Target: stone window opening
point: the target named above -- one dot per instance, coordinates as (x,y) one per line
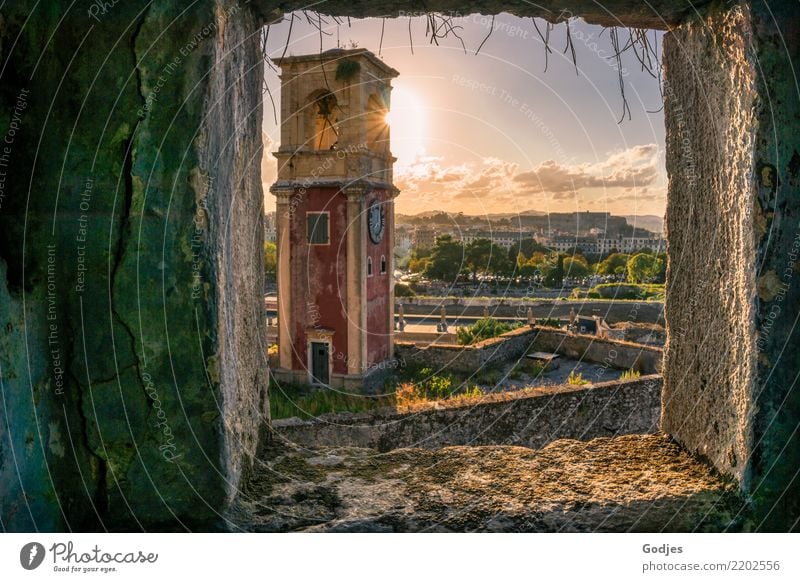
(324,121)
(383,264)
(377,127)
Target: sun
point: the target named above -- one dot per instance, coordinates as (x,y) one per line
(407,120)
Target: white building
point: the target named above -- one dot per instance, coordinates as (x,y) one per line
(502,238)
(630,245)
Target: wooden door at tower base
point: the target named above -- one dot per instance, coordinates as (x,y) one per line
(320,372)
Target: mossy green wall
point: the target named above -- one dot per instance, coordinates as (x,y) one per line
(775,467)
(124,163)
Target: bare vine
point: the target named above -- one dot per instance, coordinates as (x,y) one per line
(442,26)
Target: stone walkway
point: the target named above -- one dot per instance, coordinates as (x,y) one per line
(627,483)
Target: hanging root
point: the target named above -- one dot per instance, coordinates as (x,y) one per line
(441,26)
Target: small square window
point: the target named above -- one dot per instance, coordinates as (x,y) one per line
(317,228)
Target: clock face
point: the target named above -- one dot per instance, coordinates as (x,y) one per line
(376,221)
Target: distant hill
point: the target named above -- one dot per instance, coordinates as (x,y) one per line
(429,213)
(647,221)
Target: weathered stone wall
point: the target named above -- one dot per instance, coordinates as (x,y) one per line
(611,311)
(511,418)
(115,132)
(468,359)
(512,345)
(709,369)
(130,244)
(588,348)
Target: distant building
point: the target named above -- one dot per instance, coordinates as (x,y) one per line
(270,230)
(602,246)
(424,237)
(503,239)
(585,244)
(630,245)
(403,240)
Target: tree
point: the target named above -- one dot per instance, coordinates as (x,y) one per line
(612,264)
(576,266)
(446,259)
(527,247)
(483,256)
(662,274)
(270,259)
(555,275)
(643,268)
(418,265)
(419,260)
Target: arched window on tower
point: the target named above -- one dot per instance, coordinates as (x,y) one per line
(376,125)
(322,121)
(383,264)
(369,266)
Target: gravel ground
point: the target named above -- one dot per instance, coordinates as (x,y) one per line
(627,483)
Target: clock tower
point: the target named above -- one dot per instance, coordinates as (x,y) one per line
(335,220)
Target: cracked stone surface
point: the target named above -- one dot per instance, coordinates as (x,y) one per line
(627,483)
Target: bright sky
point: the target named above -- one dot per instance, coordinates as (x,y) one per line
(494,132)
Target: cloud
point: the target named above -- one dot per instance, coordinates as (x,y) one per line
(635,167)
(492,182)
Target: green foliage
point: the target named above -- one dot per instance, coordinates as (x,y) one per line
(627,291)
(531,367)
(418,265)
(576,266)
(488,376)
(435,386)
(471,392)
(446,259)
(630,374)
(549,322)
(403,290)
(527,248)
(270,258)
(613,264)
(287,400)
(347,69)
(482,329)
(555,275)
(643,268)
(483,256)
(576,379)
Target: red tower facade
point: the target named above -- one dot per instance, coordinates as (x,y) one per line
(335,220)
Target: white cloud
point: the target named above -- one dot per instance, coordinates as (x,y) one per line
(494,184)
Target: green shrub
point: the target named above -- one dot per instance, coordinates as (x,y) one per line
(628,291)
(483,329)
(630,375)
(531,367)
(549,322)
(430,387)
(515,374)
(488,376)
(471,392)
(577,379)
(287,400)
